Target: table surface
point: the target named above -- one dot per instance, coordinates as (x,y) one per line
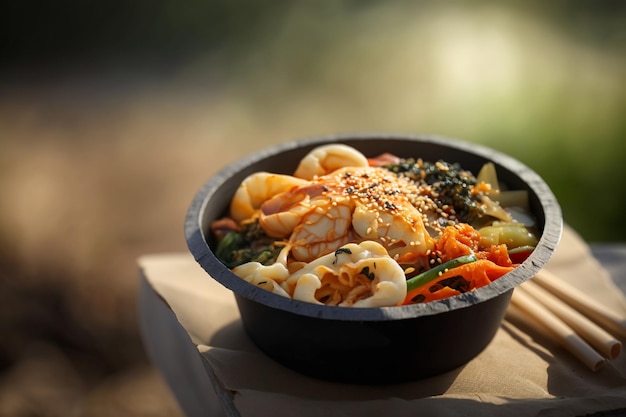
(612,256)
(197,388)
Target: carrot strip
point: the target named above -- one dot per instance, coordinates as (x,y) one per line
(498,254)
(477,274)
(458,240)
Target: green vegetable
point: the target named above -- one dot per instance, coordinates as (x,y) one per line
(433,273)
(520,249)
(249,245)
(488,174)
(519,254)
(512,234)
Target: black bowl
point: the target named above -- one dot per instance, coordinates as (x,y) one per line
(372,345)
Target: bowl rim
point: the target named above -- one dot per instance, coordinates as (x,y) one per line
(199,247)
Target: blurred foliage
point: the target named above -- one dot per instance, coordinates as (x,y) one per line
(163,31)
(33,30)
(111,113)
(540,80)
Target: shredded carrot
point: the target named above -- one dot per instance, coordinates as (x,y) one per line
(462,239)
(476,275)
(498,254)
(458,240)
(481,187)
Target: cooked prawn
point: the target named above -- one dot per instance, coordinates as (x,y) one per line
(402,232)
(323,229)
(282,213)
(327,158)
(350,204)
(256,189)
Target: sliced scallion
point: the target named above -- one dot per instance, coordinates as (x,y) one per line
(427,276)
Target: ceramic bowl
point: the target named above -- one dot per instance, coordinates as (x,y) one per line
(372,345)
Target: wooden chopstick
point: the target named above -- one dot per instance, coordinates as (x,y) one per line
(564,334)
(607,345)
(581,302)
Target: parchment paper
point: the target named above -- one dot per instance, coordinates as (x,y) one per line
(520,373)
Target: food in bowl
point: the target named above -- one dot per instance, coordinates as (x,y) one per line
(353,231)
(370,344)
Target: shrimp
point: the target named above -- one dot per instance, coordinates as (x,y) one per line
(315,224)
(350,204)
(256,189)
(282,213)
(325,159)
(323,229)
(401,231)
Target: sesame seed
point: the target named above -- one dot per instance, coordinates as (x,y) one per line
(382,191)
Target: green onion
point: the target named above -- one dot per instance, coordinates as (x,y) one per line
(519,249)
(433,273)
(519,254)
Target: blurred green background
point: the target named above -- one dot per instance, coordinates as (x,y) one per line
(112,115)
(544,83)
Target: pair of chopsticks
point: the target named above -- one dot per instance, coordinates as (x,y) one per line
(554,308)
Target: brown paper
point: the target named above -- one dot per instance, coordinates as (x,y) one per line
(520,372)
